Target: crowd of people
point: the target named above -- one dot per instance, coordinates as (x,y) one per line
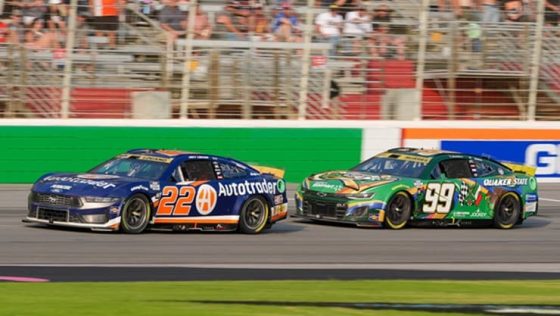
(42,24)
(350,25)
(498,11)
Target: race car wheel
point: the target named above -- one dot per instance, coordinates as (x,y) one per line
(507,211)
(253,216)
(135,214)
(398,211)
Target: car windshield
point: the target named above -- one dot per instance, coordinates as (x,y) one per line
(132,167)
(392,166)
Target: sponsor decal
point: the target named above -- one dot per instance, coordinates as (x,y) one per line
(281,186)
(90,176)
(146,158)
(247,187)
(530,207)
(530,198)
(278,199)
(461,214)
(279,209)
(60,187)
(99,184)
(206,199)
(505,182)
(532,183)
(139,187)
(155,186)
(326,185)
(478,214)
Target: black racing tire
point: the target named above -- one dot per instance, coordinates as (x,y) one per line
(253,217)
(135,214)
(398,211)
(508,211)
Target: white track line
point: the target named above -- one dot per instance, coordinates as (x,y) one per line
(549,200)
(487,267)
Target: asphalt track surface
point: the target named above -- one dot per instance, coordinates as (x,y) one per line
(292,249)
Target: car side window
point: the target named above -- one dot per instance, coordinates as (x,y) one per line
(456,168)
(485,169)
(177,175)
(196,170)
(436,172)
(231,171)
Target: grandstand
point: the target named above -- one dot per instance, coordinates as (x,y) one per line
(363,60)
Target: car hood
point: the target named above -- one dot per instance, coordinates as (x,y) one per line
(85,184)
(344,181)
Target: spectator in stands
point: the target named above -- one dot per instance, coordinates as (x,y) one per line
(31,10)
(383,43)
(57,15)
(467,10)
(357,22)
(328,26)
(552,12)
(202,27)
(105,18)
(4,35)
(17,28)
(172,19)
(347,6)
(285,25)
(38,37)
(490,11)
(233,23)
(357,26)
(83,6)
(259,25)
(514,11)
(83,31)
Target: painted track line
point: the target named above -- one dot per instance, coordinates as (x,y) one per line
(549,200)
(553,267)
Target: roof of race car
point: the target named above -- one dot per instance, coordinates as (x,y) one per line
(420,151)
(161,155)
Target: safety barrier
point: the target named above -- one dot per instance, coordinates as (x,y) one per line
(34,147)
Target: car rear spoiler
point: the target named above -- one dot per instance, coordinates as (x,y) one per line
(279,173)
(528,170)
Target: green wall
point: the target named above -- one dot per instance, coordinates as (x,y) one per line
(29,152)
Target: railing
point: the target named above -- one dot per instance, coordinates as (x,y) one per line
(406,67)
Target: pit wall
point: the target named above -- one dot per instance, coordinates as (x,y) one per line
(34,147)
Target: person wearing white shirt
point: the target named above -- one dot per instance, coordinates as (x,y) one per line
(328,26)
(357,26)
(357,22)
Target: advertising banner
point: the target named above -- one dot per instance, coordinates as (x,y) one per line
(535,147)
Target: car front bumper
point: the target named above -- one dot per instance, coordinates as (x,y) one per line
(102,218)
(110,225)
(339,210)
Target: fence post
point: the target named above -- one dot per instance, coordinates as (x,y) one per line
(421,61)
(69,51)
(186,90)
(304,79)
(535,63)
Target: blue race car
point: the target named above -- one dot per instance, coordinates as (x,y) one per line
(172,189)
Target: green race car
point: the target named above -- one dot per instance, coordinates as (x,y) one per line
(416,186)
